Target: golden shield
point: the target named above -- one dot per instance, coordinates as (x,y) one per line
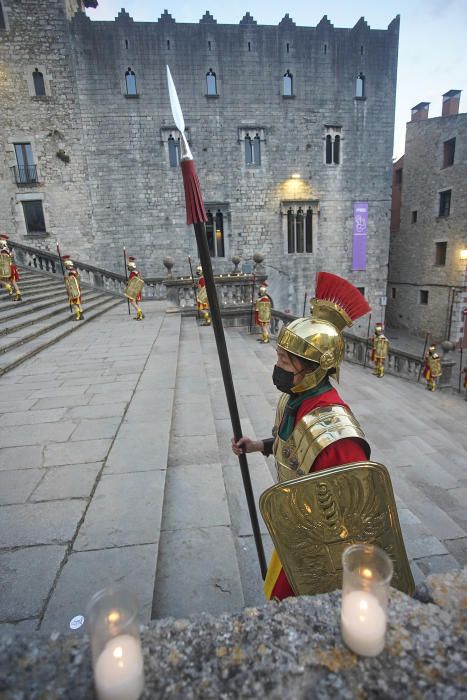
(72,287)
(134,287)
(434,363)
(314,518)
(5,266)
(264,311)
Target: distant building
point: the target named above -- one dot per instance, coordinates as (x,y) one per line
(427,275)
(291,128)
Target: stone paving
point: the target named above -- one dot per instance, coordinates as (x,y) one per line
(116,467)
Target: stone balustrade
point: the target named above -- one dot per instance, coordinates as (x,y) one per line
(287,651)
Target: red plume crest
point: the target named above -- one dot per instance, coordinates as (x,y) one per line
(339,291)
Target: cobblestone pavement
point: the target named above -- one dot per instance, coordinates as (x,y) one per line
(115,467)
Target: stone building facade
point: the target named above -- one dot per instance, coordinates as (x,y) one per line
(427,275)
(291,128)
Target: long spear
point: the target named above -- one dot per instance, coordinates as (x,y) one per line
(252,314)
(304,303)
(366,343)
(194,285)
(63,273)
(196,215)
(126,276)
(423,357)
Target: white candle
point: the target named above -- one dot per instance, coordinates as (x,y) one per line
(118,671)
(363,623)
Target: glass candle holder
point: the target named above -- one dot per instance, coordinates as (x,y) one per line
(367,574)
(117,658)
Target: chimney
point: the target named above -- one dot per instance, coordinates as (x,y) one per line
(420,111)
(451,101)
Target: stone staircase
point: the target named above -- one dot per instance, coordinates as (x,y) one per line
(43,316)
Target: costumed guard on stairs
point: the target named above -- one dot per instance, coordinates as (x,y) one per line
(9,275)
(263,313)
(202,297)
(432,370)
(134,288)
(73,288)
(314,512)
(380,350)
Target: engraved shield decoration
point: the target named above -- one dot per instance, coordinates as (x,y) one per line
(5,266)
(264,311)
(313,519)
(134,287)
(72,286)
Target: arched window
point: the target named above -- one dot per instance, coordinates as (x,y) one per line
(211,83)
(252,150)
(360,86)
(287,84)
(337,145)
(328,149)
(174,151)
(130,80)
(39,85)
(215,234)
(299,230)
(332,145)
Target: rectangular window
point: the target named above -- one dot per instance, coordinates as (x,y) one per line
(252,150)
(445,203)
(393,292)
(449,148)
(414,216)
(440,256)
(423,296)
(26,169)
(34,216)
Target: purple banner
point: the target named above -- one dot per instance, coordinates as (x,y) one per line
(360,220)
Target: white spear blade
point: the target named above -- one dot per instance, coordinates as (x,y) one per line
(175,104)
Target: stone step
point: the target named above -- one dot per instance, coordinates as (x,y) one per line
(118,538)
(30,306)
(56,307)
(23,351)
(197,567)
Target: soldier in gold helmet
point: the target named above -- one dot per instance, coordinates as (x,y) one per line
(9,276)
(73,287)
(380,350)
(432,370)
(314,429)
(263,312)
(202,297)
(134,288)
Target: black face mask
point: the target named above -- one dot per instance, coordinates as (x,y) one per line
(283,379)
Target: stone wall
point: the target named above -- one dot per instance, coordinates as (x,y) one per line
(119,185)
(413,266)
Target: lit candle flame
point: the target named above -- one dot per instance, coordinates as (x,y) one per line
(118,652)
(367,573)
(113,616)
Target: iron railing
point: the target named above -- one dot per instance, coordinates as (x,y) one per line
(25,174)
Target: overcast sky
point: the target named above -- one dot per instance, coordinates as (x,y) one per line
(432,42)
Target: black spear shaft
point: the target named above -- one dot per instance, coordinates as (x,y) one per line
(126,276)
(205,260)
(252,316)
(63,273)
(304,303)
(194,285)
(460,369)
(366,344)
(423,357)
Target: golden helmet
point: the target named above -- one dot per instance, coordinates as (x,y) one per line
(318,338)
(67,262)
(199,270)
(263,290)
(131,265)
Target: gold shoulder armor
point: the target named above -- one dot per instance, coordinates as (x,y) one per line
(322,427)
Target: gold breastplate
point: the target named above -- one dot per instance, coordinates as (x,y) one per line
(312,434)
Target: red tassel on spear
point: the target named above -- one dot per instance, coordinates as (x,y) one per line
(196,215)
